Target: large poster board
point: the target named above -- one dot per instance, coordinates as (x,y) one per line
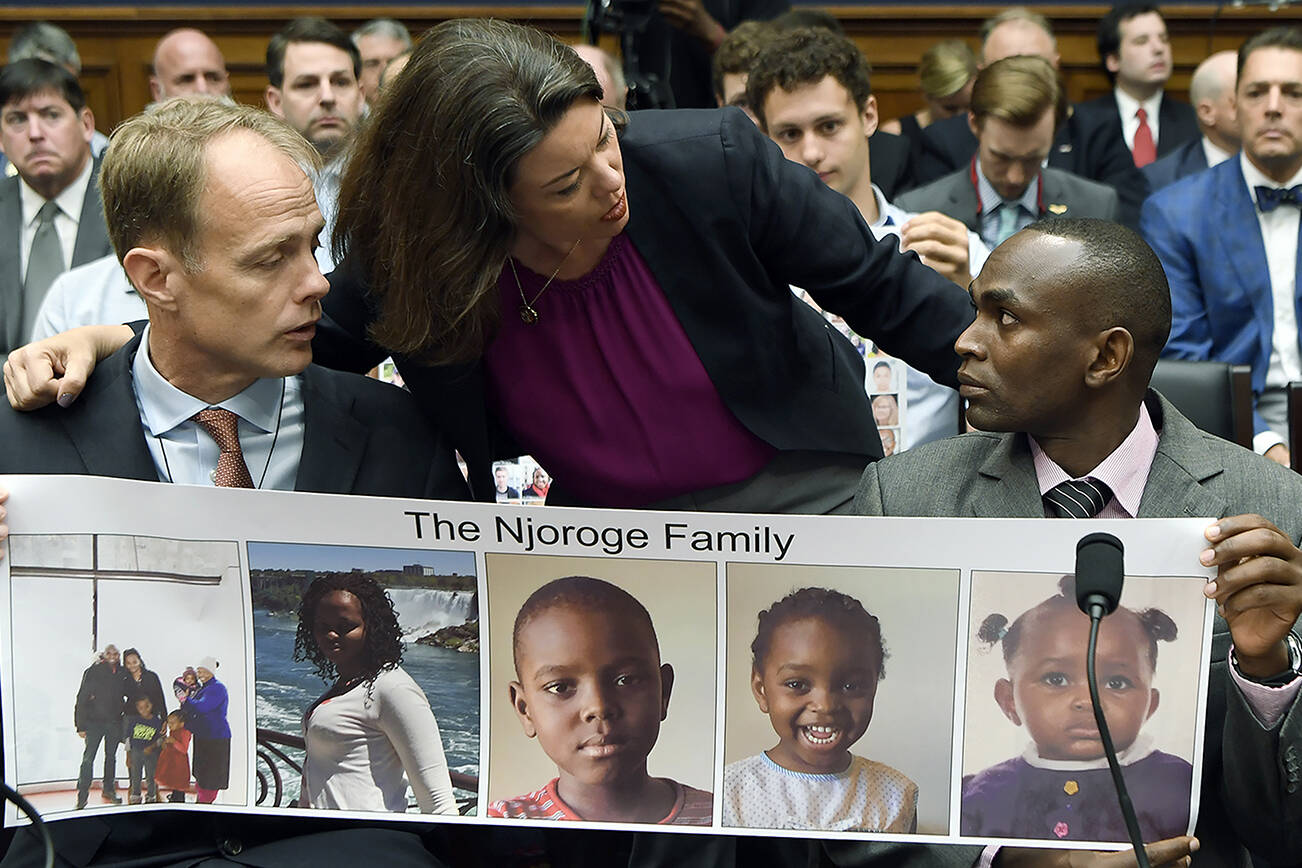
(901,679)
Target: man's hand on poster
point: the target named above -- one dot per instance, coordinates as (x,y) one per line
(1257,589)
(1171,853)
(691,17)
(941,243)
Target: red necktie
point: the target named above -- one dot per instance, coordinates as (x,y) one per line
(223,427)
(1145,150)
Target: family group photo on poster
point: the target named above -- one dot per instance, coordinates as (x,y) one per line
(321,657)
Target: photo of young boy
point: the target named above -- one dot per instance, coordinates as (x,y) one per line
(580,667)
(826,670)
(1051,780)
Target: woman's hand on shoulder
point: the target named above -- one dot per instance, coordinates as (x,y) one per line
(57,368)
(1170,853)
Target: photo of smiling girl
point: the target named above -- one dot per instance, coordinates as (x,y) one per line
(1059,785)
(826,670)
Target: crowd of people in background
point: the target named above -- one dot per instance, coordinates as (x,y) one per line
(661,283)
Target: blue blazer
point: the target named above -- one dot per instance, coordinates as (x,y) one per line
(1188,159)
(1204,229)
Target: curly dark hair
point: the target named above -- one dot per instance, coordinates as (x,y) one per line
(383,640)
(803,57)
(1155,624)
(842,611)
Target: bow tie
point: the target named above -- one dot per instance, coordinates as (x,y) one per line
(1270,198)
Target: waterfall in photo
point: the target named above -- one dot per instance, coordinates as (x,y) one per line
(423,611)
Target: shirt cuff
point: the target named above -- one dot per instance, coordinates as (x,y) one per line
(1268,704)
(1264,441)
(988,856)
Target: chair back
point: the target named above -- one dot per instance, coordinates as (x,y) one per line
(1215,396)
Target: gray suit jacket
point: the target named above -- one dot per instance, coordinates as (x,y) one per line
(1252,777)
(1065,195)
(92,243)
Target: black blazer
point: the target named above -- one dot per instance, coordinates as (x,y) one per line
(1188,159)
(1086,145)
(727,225)
(92,243)
(360,436)
(892,163)
(1177,122)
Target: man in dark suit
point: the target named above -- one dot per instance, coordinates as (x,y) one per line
(216,230)
(1228,239)
(1136,54)
(1088,147)
(1212,93)
(1071,317)
(50,215)
(1017,105)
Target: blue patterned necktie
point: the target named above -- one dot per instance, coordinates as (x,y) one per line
(1077,498)
(1270,198)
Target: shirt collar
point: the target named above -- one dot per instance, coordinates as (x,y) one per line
(1127,105)
(1125,471)
(69,201)
(887,211)
(164,407)
(1257,178)
(990,200)
(1215,156)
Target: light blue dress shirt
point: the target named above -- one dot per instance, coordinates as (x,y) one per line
(991,202)
(270,424)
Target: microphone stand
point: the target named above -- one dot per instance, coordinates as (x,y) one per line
(1099,577)
(8,794)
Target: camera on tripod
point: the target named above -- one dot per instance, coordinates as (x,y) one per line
(644,45)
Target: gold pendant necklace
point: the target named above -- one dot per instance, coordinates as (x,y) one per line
(528,315)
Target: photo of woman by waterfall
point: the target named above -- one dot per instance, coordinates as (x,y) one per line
(367,668)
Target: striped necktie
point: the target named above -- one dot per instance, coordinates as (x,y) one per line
(1076,498)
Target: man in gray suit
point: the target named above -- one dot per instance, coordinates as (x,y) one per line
(50,216)
(1017,107)
(1070,318)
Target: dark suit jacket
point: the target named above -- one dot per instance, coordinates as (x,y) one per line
(360,436)
(1251,792)
(892,164)
(1177,122)
(727,225)
(92,243)
(1188,159)
(1204,229)
(955,196)
(1089,147)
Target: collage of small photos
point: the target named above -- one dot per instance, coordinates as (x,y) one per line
(511,686)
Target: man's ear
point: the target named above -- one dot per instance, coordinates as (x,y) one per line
(1114,349)
(757,689)
(273,96)
(521,708)
(87,118)
(1113,63)
(155,89)
(973,125)
(666,688)
(1004,698)
(870,116)
(153,272)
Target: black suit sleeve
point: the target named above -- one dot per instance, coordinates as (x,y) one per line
(815,238)
(341,340)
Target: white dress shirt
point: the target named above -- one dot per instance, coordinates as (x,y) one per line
(1215,156)
(1129,107)
(1279,230)
(270,427)
(97,293)
(65,222)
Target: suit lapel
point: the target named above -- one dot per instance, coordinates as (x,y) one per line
(1194,159)
(1008,487)
(11,276)
(104,425)
(963,202)
(334,441)
(1240,244)
(1182,464)
(92,235)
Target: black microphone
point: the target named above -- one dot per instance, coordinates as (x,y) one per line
(1099,576)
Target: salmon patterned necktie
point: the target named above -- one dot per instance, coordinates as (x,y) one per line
(223,427)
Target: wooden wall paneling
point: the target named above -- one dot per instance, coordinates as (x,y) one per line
(117,41)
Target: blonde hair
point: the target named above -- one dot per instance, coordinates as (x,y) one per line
(1018,90)
(155,169)
(945,67)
